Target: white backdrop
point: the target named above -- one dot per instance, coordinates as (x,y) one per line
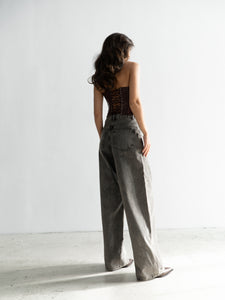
(49,144)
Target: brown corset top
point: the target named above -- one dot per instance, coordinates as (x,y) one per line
(118,101)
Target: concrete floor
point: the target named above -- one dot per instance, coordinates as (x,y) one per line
(70,266)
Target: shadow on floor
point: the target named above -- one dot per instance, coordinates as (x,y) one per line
(62,278)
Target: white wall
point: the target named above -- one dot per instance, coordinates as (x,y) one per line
(49,144)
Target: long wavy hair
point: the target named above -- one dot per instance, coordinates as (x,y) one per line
(110,61)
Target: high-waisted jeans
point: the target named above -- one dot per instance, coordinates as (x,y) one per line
(125,185)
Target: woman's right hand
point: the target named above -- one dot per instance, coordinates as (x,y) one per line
(146,147)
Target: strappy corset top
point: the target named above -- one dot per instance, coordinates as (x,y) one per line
(118,101)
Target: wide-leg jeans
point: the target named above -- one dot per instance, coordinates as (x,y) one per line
(126,185)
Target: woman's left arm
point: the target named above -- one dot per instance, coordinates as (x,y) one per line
(98,103)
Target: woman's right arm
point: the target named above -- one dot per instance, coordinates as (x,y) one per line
(135,104)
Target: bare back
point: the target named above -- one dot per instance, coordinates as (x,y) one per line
(123,76)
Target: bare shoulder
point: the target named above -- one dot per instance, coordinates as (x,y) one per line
(133,65)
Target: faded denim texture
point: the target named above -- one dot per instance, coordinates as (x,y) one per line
(125,185)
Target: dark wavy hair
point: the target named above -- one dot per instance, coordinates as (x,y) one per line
(110,61)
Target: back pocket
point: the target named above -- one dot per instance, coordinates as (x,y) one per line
(127,139)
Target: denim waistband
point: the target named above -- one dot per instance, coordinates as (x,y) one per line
(119,116)
(118,121)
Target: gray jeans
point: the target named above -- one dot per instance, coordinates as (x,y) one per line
(125,185)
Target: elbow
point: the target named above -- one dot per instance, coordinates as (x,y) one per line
(135,102)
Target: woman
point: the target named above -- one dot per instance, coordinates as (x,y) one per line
(124,172)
